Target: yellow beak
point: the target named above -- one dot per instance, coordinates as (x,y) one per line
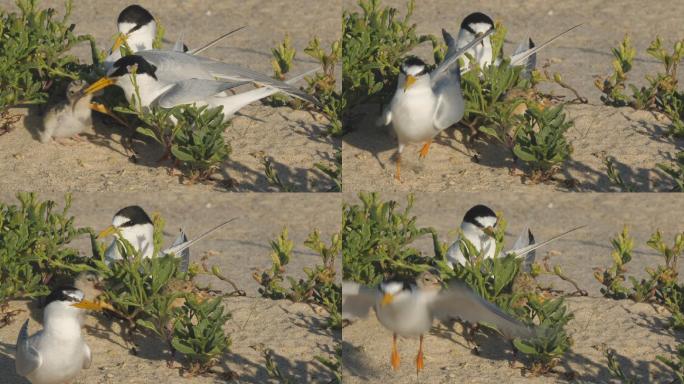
(410,80)
(106,232)
(387,299)
(119,41)
(100,84)
(89,305)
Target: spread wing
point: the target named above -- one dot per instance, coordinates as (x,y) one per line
(453,54)
(357,300)
(27,358)
(185,253)
(459,301)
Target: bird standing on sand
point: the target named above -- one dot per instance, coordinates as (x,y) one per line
(57,353)
(408,307)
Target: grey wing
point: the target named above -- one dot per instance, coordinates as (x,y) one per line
(233,72)
(357,300)
(533,246)
(87,357)
(459,301)
(450,104)
(453,55)
(178,249)
(178,46)
(185,253)
(525,239)
(192,90)
(27,358)
(521,57)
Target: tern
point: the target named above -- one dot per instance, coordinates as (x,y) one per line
(408,307)
(134,225)
(58,352)
(69,117)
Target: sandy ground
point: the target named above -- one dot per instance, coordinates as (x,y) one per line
(634,138)
(293,331)
(295,140)
(637,331)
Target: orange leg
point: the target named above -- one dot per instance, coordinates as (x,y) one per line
(395,353)
(397,175)
(419,358)
(426,148)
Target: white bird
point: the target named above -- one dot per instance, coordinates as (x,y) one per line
(425,103)
(70,116)
(169,78)
(474,25)
(58,352)
(134,225)
(408,308)
(478,227)
(478,23)
(138,29)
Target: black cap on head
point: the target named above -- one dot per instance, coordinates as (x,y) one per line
(478,211)
(476,18)
(413,61)
(64,293)
(125,65)
(135,216)
(135,14)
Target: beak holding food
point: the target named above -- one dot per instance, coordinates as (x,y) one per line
(106,232)
(120,40)
(489,231)
(89,305)
(100,84)
(410,80)
(387,299)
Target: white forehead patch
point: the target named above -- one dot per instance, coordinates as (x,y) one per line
(414,70)
(486,221)
(480,27)
(392,287)
(119,221)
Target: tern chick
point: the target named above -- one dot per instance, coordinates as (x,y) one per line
(68,117)
(58,352)
(407,307)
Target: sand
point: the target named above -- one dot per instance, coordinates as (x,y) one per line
(293,331)
(635,138)
(638,332)
(296,140)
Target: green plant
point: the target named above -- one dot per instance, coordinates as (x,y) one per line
(273,177)
(613,278)
(615,177)
(540,141)
(334,364)
(661,93)
(616,369)
(333,171)
(318,287)
(34,247)
(552,341)
(677,366)
(199,144)
(198,333)
(376,240)
(675,171)
(33,53)
(283,55)
(374,44)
